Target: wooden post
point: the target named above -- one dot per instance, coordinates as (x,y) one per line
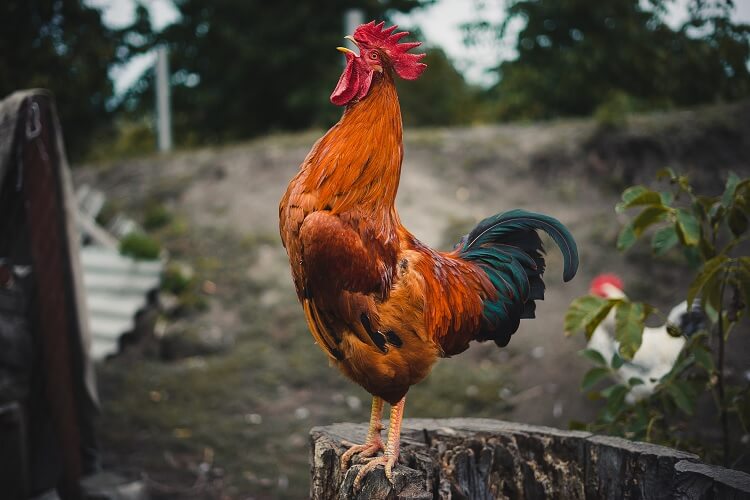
(487,459)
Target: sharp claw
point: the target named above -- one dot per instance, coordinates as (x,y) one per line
(364,450)
(388,472)
(387,462)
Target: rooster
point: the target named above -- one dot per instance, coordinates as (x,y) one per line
(380,304)
(660,346)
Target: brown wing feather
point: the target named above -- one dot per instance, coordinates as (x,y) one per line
(336,258)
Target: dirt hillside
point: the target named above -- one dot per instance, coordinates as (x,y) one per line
(232,422)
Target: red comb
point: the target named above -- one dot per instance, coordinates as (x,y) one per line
(605,279)
(406,65)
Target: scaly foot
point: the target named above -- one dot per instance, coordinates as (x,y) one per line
(388,461)
(390,457)
(369,449)
(373,443)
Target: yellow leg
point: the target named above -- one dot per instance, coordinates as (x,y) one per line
(389,459)
(373,444)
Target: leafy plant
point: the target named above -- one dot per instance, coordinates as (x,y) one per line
(140,246)
(708,231)
(156,217)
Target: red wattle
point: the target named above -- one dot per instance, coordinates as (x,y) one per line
(347,86)
(354,83)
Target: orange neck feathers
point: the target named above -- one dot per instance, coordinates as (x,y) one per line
(357,164)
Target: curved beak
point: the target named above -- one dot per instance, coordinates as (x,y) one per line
(351,39)
(346,50)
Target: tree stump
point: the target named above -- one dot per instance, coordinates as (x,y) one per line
(486,459)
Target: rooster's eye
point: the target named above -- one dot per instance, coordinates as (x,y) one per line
(373,55)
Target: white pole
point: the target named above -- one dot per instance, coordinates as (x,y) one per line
(163,109)
(352,19)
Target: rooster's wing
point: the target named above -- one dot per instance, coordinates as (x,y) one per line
(341,267)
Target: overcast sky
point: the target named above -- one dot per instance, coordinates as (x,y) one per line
(440,23)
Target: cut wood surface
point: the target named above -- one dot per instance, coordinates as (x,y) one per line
(486,459)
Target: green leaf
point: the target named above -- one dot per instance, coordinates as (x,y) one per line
(737,221)
(706,249)
(682,395)
(633,381)
(594,395)
(616,399)
(703,358)
(633,192)
(666,198)
(689,228)
(742,196)
(649,216)
(684,182)
(629,322)
(711,295)
(707,273)
(626,239)
(577,425)
(664,239)
(617,361)
(706,203)
(693,257)
(638,195)
(607,392)
(743,279)
(683,364)
(585,313)
(716,212)
(593,376)
(595,356)
(699,210)
(729,189)
(666,173)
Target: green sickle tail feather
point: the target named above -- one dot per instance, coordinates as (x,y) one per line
(508,249)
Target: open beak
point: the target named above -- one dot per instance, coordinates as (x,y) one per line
(346,50)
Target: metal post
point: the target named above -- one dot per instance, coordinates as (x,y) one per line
(352,19)
(163,109)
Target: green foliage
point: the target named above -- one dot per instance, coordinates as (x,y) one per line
(578,57)
(64,46)
(180,280)
(176,279)
(440,96)
(140,246)
(708,230)
(586,312)
(245,68)
(129,138)
(156,217)
(614,110)
(629,322)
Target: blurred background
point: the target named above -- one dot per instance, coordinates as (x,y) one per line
(555,106)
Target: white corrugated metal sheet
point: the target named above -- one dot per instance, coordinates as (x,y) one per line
(116,288)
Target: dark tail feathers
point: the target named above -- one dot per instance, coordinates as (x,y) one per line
(507,247)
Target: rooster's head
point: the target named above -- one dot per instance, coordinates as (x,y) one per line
(379,51)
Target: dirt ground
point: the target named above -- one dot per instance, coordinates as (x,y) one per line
(234,424)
